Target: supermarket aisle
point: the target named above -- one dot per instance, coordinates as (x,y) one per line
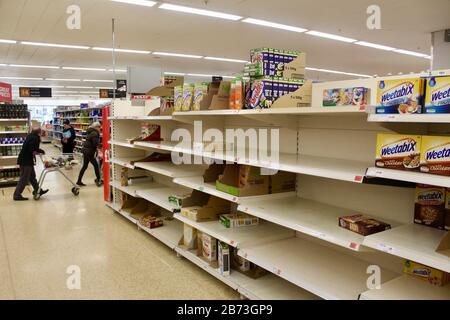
(40,240)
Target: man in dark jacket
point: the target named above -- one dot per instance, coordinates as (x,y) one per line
(89,153)
(27,161)
(68,138)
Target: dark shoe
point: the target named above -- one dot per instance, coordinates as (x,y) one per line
(99,183)
(81,184)
(20,198)
(41,193)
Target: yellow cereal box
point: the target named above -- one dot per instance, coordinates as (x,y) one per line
(396,151)
(435,155)
(200,90)
(178,98)
(437,97)
(188,97)
(400,96)
(431,275)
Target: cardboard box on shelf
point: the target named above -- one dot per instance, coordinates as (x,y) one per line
(396,151)
(437,95)
(282,181)
(200,91)
(244,266)
(269,62)
(425,273)
(203,207)
(400,96)
(235,220)
(429,207)
(221,100)
(224,258)
(346,97)
(435,155)
(177,199)
(167,88)
(151,221)
(362,224)
(189,240)
(124,177)
(209,247)
(243,181)
(178,98)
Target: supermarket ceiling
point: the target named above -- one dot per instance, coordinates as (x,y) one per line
(405,24)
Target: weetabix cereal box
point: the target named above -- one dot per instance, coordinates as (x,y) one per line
(437,95)
(396,151)
(429,206)
(435,155)
(402,96)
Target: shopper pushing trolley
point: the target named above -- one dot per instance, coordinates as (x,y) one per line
(89,151)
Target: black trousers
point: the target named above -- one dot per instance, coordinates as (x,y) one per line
(89,158)
(27,175)
(67,148)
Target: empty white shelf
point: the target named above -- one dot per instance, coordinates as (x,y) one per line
(320,270)
(196,183)
(139,184)
(407,287)
(142,118)
(169,234)
(160,196)
(170,169)
(409,176)
(411,118)
(126,215)
(414,242)
(310,217)
(238,237)
(124,162)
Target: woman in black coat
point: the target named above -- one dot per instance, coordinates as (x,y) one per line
(89,151)
(68,138)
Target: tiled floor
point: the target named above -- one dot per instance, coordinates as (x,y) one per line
(40,240)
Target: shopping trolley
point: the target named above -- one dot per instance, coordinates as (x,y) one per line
(59,164)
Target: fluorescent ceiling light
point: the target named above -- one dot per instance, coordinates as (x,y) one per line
(175,73)
(374,45)
(118,70)
(330,36)
(33,66)
(59,92)
(145,3)
(7,41)
(89,92)
(177,55)
(201,12)
(339,72)
(274,25)
(226,59)
(412,53)
(92,80)
(20,78)
(78,87)
(84,69)
(109,88)
(3,65)
(34,86)
(42,44)
(53,79)
(121,50)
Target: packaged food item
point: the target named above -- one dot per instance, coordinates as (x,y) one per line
(425,273)
(232,95)
(345,97)
(269,62)
(189,236)
(235,220)
(124,177)
(178,98)
(260,96)
(188,96)
(362,224)
(238,94)
(400,96)
(435,155)
(224,258)
(246,267)
(151,222)
(395,151)
(177,199)
(200,90)
(429,207)
(209,247)
(447,210)
(437,95)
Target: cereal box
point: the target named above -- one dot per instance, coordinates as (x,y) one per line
(188,96)
(224,258)
(395,151)
(362,224)
(200,90)
(400,96)
(345,97)
(437,96)
(429,207)
(235,220)
(209,248)
(435,155)
(447,209)
(178,97)
(260,95)
(425,273)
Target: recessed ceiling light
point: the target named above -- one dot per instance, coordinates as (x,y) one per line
(54,79)
(145,3)
(374,45)
(83,68)
(202,12)
(177,55)
(42,44)
(412,53)
(7,41)
(330,36)
(226,59)
(33,66)
(118,70)
(274,25)
(121,50)
(92,80)
(78,87)
(20,78)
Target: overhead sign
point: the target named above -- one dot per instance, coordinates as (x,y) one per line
(35,92)
(121,89)
(5,92)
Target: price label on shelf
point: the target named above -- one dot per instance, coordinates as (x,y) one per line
(276,271)
(385,248)
(201,189)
